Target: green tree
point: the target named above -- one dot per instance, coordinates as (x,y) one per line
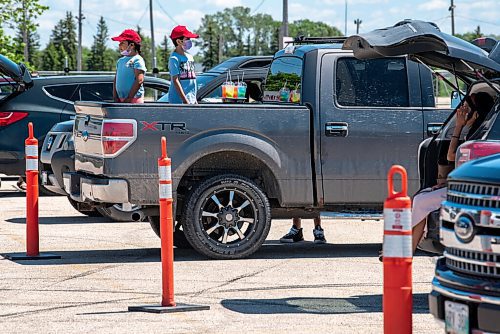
(63,38)
(99,58)
(310,28)
(145,49)
(163,54)
(33,46)
(21,16)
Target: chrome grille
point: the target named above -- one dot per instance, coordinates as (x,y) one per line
(481,195)
(474,263)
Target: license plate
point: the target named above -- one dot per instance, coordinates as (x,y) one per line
(456,318)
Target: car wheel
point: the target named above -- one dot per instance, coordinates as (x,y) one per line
(91,213)
(119,212)
(180,240)
(226,217)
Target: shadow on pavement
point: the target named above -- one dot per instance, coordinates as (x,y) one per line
(63,220)
(273,249)
(268,251)
(313,305)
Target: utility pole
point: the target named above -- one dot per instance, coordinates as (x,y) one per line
(153,48)
(284,24)
(79,51)
(452,10)
(345,19)
(24,28)
(357,22)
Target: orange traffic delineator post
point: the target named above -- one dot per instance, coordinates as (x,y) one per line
(32,235)
(397,257)
(168,304)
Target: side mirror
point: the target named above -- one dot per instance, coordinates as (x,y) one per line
(455,99)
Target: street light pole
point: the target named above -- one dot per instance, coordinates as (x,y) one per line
(357,22)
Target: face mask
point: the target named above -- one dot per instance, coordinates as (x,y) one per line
(187,45)
(126,52)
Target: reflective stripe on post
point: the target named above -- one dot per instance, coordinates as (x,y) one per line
(397,257)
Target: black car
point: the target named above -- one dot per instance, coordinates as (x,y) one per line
(45,101)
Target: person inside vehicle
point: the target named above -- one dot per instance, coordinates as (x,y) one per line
(469,116)
(130,68)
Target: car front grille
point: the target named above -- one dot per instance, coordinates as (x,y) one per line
(473,194)
(473,263)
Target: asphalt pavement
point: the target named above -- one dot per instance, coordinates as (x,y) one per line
(107,267)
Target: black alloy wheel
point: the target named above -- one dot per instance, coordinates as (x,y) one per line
(226,217)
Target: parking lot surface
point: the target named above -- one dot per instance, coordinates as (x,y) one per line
(108,266)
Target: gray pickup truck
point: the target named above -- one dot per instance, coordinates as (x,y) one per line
(323,138)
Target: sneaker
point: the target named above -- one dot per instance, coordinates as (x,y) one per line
(319,235)
(294,235)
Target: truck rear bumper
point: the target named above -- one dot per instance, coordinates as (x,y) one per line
(484,310)
(82,188)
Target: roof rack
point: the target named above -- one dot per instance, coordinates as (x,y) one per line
(318,40)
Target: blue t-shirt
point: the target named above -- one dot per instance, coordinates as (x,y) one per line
(183,67)
(125,75)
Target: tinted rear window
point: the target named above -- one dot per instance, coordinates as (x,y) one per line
(64,92)
(95,92)
(6,89)
(372,83)
(283,82)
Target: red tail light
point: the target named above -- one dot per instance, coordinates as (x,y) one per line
(10,117)
(476,149)
(117,135)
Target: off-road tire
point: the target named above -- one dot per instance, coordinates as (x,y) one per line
(237,238)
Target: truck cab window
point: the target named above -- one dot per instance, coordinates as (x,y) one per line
(372,83)
(283,82)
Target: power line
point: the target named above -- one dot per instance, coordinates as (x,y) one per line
(258,6)
(166,13)
(480,21)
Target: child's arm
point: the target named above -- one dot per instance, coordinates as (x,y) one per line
(139,79)
(178,87)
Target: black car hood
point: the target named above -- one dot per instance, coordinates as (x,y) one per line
(483,170)
(424,40)
(18,73)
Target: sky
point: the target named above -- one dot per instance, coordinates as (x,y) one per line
(122,14)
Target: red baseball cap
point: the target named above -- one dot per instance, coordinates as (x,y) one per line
(128,35)
(182,31)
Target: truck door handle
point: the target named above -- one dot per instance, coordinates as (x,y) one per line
(433,128)
(336,129)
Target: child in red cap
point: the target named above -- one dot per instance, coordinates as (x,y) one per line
(181,67)
(130,68)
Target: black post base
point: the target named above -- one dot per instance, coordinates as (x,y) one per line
(24,257)
(168,309)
